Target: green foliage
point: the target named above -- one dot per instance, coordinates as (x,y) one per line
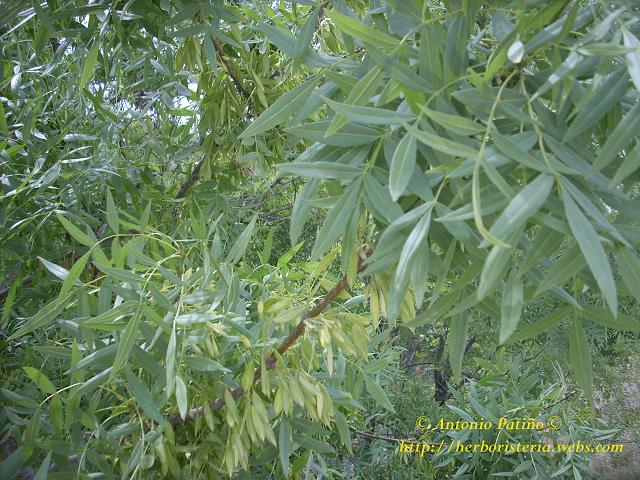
(445,165)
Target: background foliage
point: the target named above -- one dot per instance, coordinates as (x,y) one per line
(235,234)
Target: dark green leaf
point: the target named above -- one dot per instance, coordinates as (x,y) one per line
(580,356)
(592,250)
(511,306)
(457,342)
(402,165)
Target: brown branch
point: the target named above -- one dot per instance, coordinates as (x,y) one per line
(195,175)
(417,364)
(380,437)
(230,70)
(286,344)
(193,178)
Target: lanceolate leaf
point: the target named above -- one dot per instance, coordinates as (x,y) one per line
(592,249)
(569,64)
(521,207)
(369,115)
(564,267)
(378,200)
(457,342)
(301,208)
(632,57)
(603,99)
(630,165)
(415,241)
(242,242)
(606,319)
(284,444)
(305,36)
(60,272)
(495,265)
(511,307)
(454,123)
(126,343)
(74,275)
(629,267)
(356,29)
(112,214)
(337,219)
(580,356)
(142,395)
(350,135)
(359,95)
(540,326)
(44,316)
(181,396)
(89,65)
(402,165)
(440,143)
(513,150)
(321,170)
(627,130)
(281,109)
(75,232)
(378,394)
(41,380)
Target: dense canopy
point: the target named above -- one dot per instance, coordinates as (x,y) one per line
(224,225)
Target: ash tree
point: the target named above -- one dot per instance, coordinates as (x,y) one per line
(436,163)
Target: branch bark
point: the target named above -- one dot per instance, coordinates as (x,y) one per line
(285,345)
(193,178)
(230,70)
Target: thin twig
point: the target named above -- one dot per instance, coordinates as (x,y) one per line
(380,437)
(423,363)
(533,357)
(193,178)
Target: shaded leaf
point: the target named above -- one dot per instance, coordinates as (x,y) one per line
(378,394)
(627,130)
(143,397)
(457,342)
(580,357)
(511,307)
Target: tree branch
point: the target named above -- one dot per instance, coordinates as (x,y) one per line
(380,437)
(193,178)
(230,70)
(287,343)
(195,175)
